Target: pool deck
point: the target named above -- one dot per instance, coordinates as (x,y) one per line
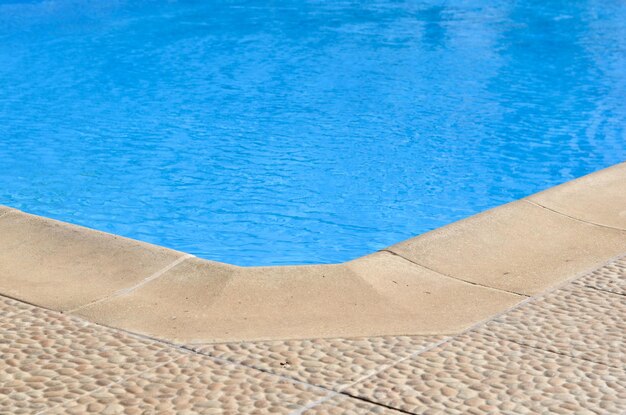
(519,309)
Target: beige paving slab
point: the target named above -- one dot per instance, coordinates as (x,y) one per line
(518,247)
(478,374)
(610,278)
(196,385)
(4,210)
(331,363)
(345,405)
(599,197)
(67,346)
(32,394)
(54,363)
(47,359)
(61,266)
(200,301)
(575,320)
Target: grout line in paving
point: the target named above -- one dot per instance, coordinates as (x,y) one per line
(571,217)
(474,326)
(29,304)
(360,398)
(450,276)
(603,290)
(410,356)
(180,348)
(571,356)
(128,290)
(373,372)
(378,336)
(187,350)
(332,393)
(314,404)
(282,377)
(84,322)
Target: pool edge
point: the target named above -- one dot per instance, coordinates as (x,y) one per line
(440,282)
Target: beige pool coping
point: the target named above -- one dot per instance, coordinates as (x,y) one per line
(438,283)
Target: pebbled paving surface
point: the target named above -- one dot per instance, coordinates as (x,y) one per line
(53,363)
(332,363)
(346,405)
(475,373)
(611,278)
(576,321)
(560,353)
(194,384)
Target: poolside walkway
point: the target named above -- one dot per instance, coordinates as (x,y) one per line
(519,309)
(559,353)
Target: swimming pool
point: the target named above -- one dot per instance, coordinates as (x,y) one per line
(263,133)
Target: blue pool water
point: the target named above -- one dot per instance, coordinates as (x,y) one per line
(262,133)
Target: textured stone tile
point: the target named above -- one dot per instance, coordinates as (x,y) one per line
(35,391)
(575,320)
(476,373)
(61,342)
(331,363)
(47,358)
(195,384)
(10,307)
(611,277)
(345,405)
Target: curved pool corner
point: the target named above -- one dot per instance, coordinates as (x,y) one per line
(441,282)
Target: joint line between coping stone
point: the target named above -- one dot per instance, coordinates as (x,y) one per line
(450,276)
(571,217)
(127,290)
(181,348)
(528,299)
(184,349)
(384,367)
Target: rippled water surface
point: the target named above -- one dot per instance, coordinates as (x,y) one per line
(261,133)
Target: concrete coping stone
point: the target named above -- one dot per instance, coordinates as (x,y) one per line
(441,282)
